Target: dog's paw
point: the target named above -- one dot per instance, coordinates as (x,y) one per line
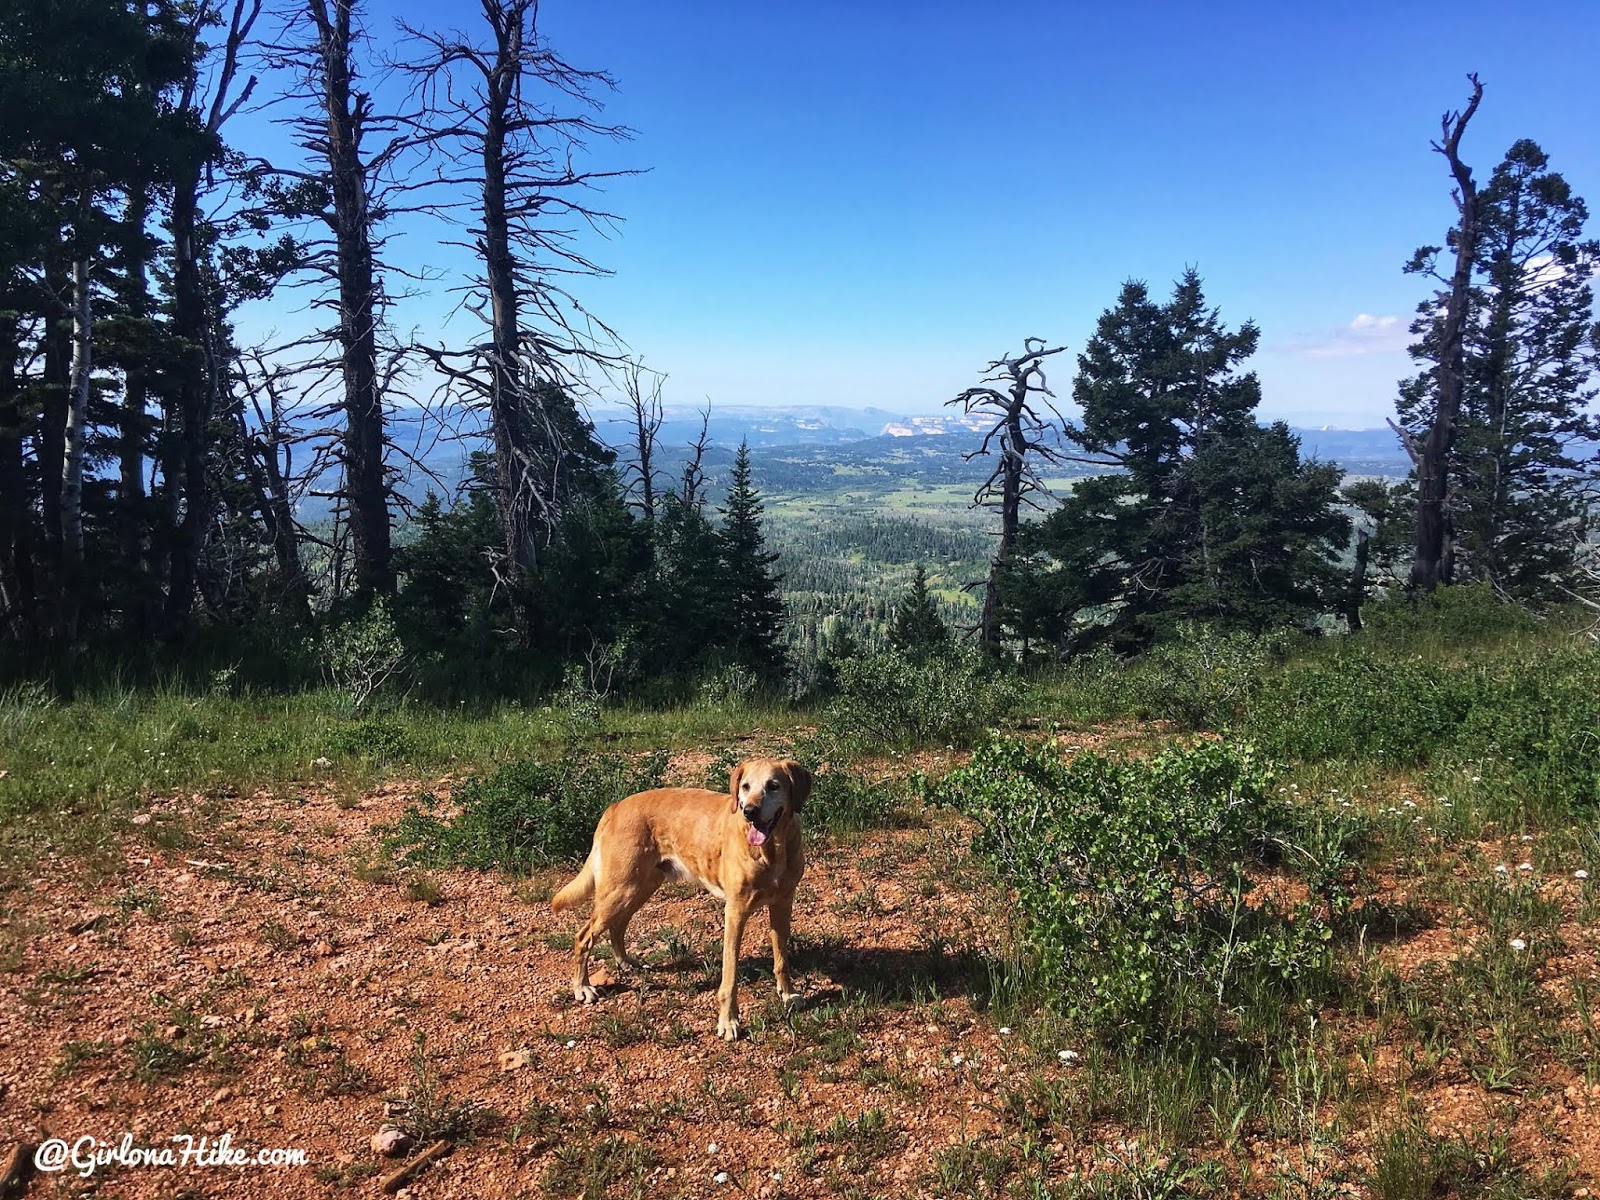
(585,993)
(728,1028)
(790,999)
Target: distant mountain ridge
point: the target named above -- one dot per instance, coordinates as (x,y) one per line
(811,450)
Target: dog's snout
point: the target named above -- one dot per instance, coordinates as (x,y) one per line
(752,812)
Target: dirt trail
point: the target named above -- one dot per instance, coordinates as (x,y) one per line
(251,983)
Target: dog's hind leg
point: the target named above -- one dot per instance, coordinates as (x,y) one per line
(582,990)
(617,928)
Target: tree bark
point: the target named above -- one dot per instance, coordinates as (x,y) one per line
(1356,594)
(1430,565)
(366,490)
(135,400)
(17,586)
(186,463)
(56,381)
(77,416)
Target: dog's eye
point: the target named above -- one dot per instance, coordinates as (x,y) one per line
(772,785)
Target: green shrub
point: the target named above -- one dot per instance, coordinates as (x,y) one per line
(527,814)
(891,701)
(850,801)
(1459,615)
(1533,731)
(1131,878)
(378,738)
(1204,678)
(1360,704)
(362,657)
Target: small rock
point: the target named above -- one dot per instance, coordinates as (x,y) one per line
(391,1142)
(222,1094)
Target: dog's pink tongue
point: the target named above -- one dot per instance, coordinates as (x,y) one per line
(755,836)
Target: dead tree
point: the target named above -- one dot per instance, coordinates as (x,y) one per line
(199,380)
(268,444)
(1431,564)
(694,474)
(349,188)
(643,388)
(1009,393)
(511,116)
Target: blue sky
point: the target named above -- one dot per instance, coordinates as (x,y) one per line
(862,203)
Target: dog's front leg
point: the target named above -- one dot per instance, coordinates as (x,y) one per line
(737,913)
(780,913)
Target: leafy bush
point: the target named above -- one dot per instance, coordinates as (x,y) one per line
(1534,730)
(527,814)
(1360,705)
(1459,615)
(849,801)
(377,738)
(889,700)
(362,657)
(1204,678)
(1527,723)
(1131,877)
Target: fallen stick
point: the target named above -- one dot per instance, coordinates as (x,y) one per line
(393,1180)
(16,1170)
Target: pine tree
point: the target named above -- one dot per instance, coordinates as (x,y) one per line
(918,630)
(754,606)
(1517,466)
(1202,514)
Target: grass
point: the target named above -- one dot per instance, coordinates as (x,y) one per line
(1433,970)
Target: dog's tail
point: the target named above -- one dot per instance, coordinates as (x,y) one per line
(582,886)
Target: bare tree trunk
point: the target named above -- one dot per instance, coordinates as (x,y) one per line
(1431,564)
(1019,429)
(271,487)
(366,490)
(77,415)
(17,595)
(57,382)
(135,400)
(694,474)
(1356,593)
(188,417)
(508,403)
(647,418)
(186,465)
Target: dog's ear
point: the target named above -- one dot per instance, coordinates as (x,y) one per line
(734,776)
(799,783)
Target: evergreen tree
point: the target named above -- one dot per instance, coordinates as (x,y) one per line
(754,605)
(1202,514)
(918,630)
(1524,439)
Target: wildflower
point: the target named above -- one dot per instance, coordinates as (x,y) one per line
(720,1177)
(1411,803)
(571,1044)
(1580,873)
(1004,1030)
(1527,837)
(1067,1056)
(713,1148)
(1501,869)
(1524,866)
(956,1060)
(1518,944)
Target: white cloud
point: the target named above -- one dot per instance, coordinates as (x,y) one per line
(1365,334)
